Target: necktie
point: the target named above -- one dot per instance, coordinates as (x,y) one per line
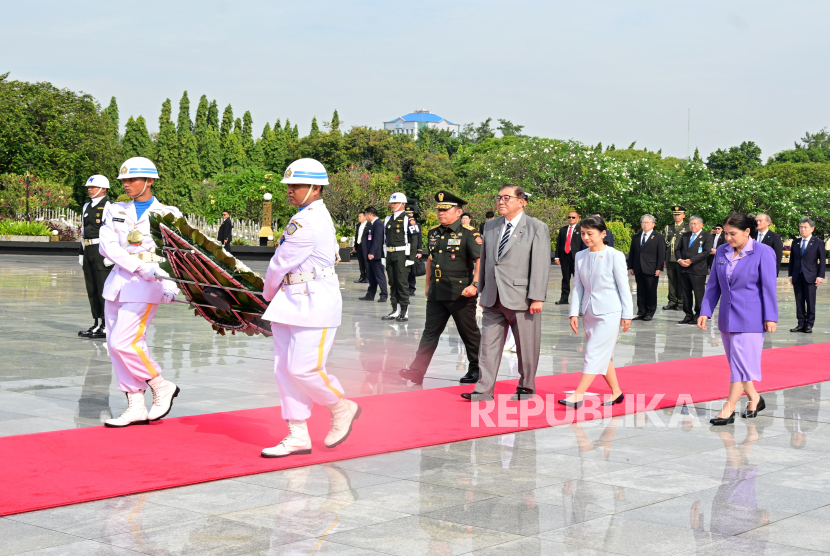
(760,238)
(504,238)
(692,240)
(642,243)
(803,246)
(568,241)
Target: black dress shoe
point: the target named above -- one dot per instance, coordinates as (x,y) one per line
(670,307)
(469,378)
(412,375)
(411,292)
(359,280)
(648,318)
(752,413)
(87,333)
(798,328)
(99,334)
(619,399)
(383,299)
(522,394)
(467,396)
(566,403)
(561,302)
(367,297)
(639,317)
(807,330)
(687,320)
(721,421)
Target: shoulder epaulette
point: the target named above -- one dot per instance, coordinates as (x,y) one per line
(468,227)
(434,227)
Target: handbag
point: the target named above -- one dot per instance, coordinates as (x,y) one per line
(420,267)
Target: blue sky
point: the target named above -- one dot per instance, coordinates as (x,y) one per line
(610,71)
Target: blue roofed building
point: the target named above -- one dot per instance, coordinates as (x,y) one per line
(409,124)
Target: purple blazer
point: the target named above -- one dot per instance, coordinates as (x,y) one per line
(750,299)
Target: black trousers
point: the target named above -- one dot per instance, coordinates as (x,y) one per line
(463,312)
(675,283)
(377,278)
(566,263)
(95,274)
(412,277)
(361,260)
(692,284)
(805,301)
(646,293)
(398,274)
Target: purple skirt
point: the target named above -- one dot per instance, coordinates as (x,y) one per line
(743,351)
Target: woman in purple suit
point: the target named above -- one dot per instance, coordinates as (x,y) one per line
(743,279)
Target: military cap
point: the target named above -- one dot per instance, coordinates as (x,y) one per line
(448,200)
(677,209)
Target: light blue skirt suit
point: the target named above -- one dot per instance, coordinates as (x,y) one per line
(602,295)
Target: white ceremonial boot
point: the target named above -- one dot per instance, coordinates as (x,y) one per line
(296,443)
(135,414)
(163,393)
(343,414)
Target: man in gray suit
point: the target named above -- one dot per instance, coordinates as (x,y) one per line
(513,281)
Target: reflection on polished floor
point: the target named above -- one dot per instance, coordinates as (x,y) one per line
(631,485)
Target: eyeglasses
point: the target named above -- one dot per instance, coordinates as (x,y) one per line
(505,198)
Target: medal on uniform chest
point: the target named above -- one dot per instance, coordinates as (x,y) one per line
(452,256)
(135,237)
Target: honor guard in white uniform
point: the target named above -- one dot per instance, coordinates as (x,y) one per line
(305,308)
(96,267)
(133,294)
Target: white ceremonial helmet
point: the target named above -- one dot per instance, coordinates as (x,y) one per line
(306,171)
(138,167)
(397,198)
(98,181)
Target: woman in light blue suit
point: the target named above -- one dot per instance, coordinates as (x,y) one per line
(602,295)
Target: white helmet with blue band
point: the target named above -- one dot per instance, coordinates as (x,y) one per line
(306,171)
(98,181)
(397,198)
(138,167)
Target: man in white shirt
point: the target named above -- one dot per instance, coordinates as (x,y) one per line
(568,244)
(305,310)
(358,247)
(766,236)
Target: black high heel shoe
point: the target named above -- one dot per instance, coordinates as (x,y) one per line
(720,421)
(619,399)
(752,413)
(575,405)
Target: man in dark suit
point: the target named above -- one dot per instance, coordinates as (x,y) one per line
(568,244)
(807,261)
(691,253)
(609,235)
(489,215)
(766,236)
(645,262)
(360,235)
(718,239)
(225,235)
(374,258)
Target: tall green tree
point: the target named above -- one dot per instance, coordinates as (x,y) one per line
(696,156)
(213,115)
(165,152)
(265,130)
(136,141)
(314,127)
(235,157)
(735,162)
(201,123)
(335,121)
(508,128)
(296,132)
(211,154)
(112,112)
(247,126)
(184,121)
(278,126)
(227,123)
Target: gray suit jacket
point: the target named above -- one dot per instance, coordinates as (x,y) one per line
(521,275)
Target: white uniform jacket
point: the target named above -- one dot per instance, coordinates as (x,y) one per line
(604,287)
(124,284)
(307,244)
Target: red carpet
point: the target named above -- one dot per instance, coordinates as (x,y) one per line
(58,468)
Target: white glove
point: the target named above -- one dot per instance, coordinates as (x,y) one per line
(81,260)
(146,271)
(108,263)
(409,263)
(168,297)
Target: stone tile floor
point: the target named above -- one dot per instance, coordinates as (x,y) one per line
(627,485)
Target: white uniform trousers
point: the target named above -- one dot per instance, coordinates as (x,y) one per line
(300,354)
(126,330)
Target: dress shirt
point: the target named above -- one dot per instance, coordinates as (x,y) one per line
(360,231)
(514,223)
(645,237)
(94,202)
(761,235)
(717,237)
(805,241)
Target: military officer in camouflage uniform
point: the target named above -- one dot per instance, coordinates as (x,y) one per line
(673,232)
(451,288)
(96,267)
(400,255)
